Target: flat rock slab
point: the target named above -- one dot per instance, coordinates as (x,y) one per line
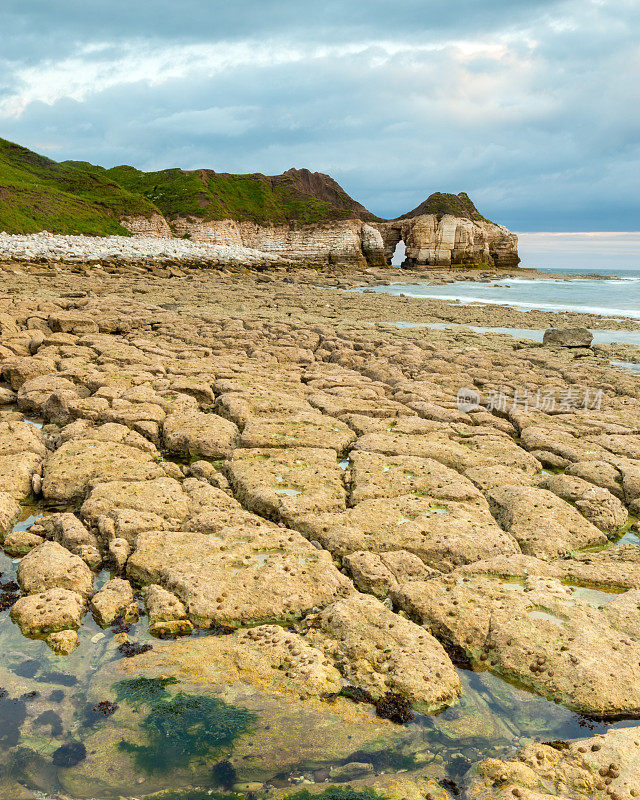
(543,524)
(383,652)
(375,475)
(444,534)
(453,454)
(300,430)
(199,434)
(70,471)
(283,484)
(536,634)
(249,574)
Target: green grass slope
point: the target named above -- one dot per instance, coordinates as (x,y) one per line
(441,203)
(296,195)
(38,194)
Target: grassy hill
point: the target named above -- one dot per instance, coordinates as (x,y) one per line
(37,194)
(441,203)
(296,195)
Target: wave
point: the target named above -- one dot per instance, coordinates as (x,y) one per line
(582,309)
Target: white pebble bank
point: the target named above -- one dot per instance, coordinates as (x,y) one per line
(54,247)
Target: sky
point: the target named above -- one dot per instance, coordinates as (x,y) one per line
(531,107)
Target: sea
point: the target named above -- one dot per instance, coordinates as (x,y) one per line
(614,293)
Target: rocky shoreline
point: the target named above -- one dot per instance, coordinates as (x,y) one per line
(256,535)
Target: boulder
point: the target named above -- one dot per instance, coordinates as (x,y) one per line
(167,614)
(567,337)
(114,600)
(51,566)
(49,611)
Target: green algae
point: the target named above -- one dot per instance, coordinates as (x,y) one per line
(338,793)
(184,727)
(144,691)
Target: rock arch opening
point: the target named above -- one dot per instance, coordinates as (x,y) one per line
(398,254)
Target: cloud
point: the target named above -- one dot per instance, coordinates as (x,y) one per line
(531,108)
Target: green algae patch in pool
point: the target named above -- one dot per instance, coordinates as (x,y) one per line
(185,727)
(144,691)
(337,793)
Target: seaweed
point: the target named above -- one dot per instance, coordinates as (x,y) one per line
(104,708)
(395,708)
(184,727)
(224,775)
(68,755)
(138,691)
(338,793)
(131,649)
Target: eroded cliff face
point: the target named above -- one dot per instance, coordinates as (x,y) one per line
(155,225)
(433,242)
(350,242)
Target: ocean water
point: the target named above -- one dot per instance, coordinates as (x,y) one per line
(617,295)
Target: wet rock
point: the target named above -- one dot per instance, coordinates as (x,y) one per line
(603,767)
(114,601)
(49,611)
(68,755)
(167,614)
(63,642)
(19,543)
(542,523)
(51,566)
(543,638)
(567,337)
(253,573)
(132,649)
(385,653)
(199,434)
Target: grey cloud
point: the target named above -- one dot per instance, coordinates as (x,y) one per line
(544,138)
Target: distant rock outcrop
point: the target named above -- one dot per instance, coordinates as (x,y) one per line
(299,216)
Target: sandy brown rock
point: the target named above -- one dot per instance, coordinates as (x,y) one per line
(251,574)
(167,614)
(114,600)
(377,573)
(199,434)
(49,611)
(375,475)
(70,471)
(51,566)
(442,533)
(19,543)
(542,523)
(602,767)
(298,430)
(284,484)
(384,653)
(543,638)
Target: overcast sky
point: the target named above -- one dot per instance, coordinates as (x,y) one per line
(533,107)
